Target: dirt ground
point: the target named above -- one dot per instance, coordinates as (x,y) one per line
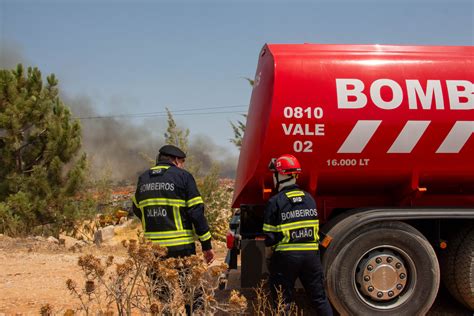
(34,272)
(31,278)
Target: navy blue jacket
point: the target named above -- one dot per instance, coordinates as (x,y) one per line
(291,221)
(170,207)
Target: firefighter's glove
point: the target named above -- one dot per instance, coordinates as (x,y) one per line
(209,256)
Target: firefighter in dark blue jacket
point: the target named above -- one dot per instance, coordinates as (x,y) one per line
(291,228)
(170,207)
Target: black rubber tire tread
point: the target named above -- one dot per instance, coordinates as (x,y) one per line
(399,234)
(464,271)
(449,262)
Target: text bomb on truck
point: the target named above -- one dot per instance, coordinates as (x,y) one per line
(384,136)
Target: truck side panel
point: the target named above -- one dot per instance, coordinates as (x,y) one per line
(370,120)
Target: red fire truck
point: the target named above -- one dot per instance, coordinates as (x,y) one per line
(385,138)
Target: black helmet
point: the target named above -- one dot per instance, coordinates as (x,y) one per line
(172,151)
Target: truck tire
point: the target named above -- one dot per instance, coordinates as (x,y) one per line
(465,271)
(390,269)
(457,266)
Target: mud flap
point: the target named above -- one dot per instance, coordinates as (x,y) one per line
(254,267)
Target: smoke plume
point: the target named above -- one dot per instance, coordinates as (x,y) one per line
(207,152)
(11,55)
(123,150)
(119,149)
(116,148)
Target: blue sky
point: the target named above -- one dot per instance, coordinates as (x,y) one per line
(141,56)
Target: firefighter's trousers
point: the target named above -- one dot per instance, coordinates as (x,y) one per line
(287,266)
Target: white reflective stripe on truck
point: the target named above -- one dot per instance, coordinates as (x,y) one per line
(457,137)
(408,138)
(359,137)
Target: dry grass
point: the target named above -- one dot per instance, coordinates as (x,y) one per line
(264,305)
(148,282)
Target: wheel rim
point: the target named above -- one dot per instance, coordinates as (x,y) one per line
(384,277)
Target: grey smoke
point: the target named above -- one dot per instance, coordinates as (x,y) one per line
(206,152)
(11,55)
(121,148)
(116,147)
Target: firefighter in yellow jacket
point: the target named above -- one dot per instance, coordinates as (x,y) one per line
(291,227)
(170,207)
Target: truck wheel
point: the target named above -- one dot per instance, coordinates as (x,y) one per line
(457,266)
(390,269)
(465,271)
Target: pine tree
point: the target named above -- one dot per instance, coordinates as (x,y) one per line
(175,135)
(39,145)
(216,197)
(239,127)
(178,137)
(239,130)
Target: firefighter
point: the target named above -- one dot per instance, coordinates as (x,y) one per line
(170,207)
(291,228)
